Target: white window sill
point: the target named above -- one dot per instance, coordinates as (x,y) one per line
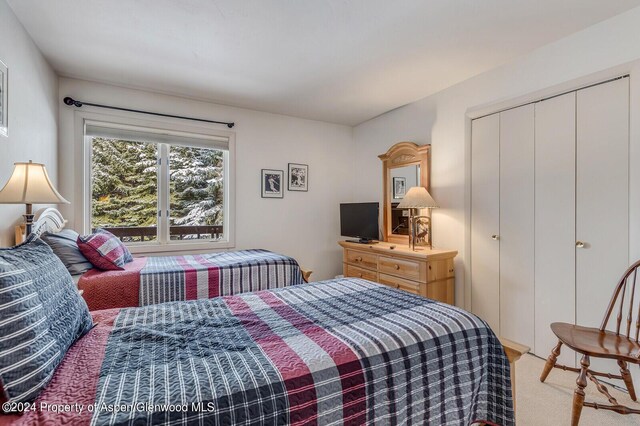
(179,247)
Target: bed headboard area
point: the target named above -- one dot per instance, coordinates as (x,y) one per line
(47,220)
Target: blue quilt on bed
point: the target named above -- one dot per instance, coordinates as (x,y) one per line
(337,352)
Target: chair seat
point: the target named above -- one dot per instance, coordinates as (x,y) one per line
(593,342)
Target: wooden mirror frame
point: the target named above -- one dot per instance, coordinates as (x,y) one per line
(401,154)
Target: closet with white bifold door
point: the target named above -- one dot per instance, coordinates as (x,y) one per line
(550,213)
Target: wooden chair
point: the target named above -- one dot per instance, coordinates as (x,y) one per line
(602,343)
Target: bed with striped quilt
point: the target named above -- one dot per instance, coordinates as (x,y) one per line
(153,280)
(337,352)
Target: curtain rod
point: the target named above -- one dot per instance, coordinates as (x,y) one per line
(72,102)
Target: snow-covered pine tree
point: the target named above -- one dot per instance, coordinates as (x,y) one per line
(196,181)
(124,183)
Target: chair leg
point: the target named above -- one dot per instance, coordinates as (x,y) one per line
(578,394)
(628,380)
(551,361)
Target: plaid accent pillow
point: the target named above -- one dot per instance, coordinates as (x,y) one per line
(104,250)
(41,316)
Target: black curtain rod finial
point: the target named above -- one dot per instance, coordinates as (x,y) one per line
(72,102)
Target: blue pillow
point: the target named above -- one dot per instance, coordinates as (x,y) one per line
(41,316)
(64,244)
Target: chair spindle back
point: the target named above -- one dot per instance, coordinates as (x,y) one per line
(627,284)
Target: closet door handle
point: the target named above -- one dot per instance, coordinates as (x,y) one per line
(580,244)
(495,237)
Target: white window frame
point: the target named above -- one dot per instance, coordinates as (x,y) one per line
(164,243)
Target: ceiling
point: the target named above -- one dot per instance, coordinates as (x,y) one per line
(341,61)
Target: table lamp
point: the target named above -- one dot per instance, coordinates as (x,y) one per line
(417,198)
(29,184)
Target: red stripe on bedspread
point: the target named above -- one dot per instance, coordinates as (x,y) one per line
(347,361)
(75,380)
(190,278)
(113,289)
(301,392)
(213,272)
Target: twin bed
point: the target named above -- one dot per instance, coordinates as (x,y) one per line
(343,351)
(152,280)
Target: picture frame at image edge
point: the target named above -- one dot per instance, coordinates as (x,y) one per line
(4,99)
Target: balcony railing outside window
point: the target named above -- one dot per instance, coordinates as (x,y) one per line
(131,234)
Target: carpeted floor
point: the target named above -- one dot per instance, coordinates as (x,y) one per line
(550,403)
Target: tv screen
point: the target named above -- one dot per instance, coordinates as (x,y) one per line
(359,220)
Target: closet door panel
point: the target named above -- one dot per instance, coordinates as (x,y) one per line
(517,225)
(555,215)
(485,202)
(602,220)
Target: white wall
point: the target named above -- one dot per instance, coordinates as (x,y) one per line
(304,225)
(441,120)
(33,110)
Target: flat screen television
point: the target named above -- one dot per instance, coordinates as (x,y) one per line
(359,220)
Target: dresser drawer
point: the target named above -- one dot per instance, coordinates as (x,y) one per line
(440,269)
(404,268)
(361,259)
(354,271)
(399,283)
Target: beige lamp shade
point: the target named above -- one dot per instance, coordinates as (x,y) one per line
(30,184)
(417,198)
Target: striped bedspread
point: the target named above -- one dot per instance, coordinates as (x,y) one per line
(337,352)
(173,278)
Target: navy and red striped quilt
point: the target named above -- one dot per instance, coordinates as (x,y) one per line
(337,352)
(173,278)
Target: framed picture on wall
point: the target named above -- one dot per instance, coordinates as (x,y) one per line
(4,100)
(399,187)
(298,177)
(272,183)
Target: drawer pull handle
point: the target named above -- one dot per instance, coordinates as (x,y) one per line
(358,259)
(495,237)
(359,275)
(397,285)
(580,244)
(450,270)
(396,266)
(429,267)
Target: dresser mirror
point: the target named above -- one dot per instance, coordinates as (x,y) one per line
(404,166)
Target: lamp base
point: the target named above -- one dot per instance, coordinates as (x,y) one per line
(421,233)
(28,219)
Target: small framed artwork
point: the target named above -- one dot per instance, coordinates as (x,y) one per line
(272,183)
(4,100)
(298,177)
(399,187)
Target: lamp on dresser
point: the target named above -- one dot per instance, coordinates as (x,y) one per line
(418,198)
(30,184)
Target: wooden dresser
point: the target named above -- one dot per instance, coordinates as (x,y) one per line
(426,272)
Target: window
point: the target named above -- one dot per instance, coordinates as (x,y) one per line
(156,188)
